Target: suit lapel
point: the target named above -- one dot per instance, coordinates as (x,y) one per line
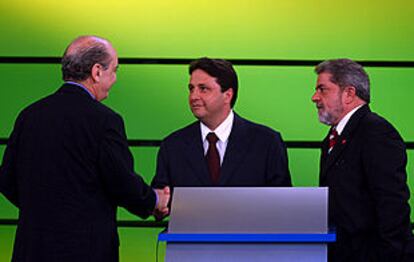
(324,157)
(195,154)
(236,149)
(343,140)
(336,151)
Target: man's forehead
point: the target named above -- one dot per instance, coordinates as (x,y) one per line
(200,75)
(325,77)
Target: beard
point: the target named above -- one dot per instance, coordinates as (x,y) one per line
(326,118)
(330,117)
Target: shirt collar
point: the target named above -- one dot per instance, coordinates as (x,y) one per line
(222,131)
(82,86)
(341,125)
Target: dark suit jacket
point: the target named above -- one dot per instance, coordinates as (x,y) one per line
(67,167)
(255,156)
(368,193)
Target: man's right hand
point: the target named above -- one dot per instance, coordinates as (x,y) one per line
(162,210)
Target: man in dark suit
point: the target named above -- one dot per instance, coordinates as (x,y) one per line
(363,163)
(67,165)
(221,148)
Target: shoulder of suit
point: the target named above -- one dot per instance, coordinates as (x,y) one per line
(257,129)
(39,103)
(373,123)
(89,105)
(105,109)
(35,106)
(184,132)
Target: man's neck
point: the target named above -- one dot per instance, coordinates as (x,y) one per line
(82,85)
(344,120)
(347,109)
(88,86)
(212,125)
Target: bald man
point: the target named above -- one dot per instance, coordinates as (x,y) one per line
(67,166)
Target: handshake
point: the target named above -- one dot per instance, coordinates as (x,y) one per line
(161,209)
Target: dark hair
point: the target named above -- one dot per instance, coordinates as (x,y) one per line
(346,72)
(77,65)
(222,70)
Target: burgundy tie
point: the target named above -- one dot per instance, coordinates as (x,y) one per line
(213,158)
(333,137)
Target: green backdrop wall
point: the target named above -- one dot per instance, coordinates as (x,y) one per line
(153,98)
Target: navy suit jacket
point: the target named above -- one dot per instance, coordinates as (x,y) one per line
(255,156)
(67,167)
(368,193)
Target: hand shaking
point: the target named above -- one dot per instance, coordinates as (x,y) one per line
(162,210)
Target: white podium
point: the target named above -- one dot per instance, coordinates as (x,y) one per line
(248,224)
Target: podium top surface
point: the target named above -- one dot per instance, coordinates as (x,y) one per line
(249,210)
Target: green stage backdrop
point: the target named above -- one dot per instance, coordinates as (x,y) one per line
(153,98)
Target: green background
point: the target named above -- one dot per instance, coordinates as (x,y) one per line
(153,98)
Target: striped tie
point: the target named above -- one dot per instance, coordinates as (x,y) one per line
(333,138)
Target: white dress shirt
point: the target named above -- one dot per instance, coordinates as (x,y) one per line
(341,125)
(222,132)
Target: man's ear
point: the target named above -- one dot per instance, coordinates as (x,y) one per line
(96,72)
(228,95)
(349,94)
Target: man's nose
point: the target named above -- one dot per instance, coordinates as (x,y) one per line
(194,94)
(315,97)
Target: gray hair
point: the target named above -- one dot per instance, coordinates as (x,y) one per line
(77,62)
(346,72)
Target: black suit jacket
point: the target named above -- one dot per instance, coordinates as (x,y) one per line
(255,156)
(67,167)
(368,193)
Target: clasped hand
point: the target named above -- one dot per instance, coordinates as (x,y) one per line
(162,210)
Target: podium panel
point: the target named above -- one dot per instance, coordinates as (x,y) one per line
(248,224)
(249,210)
(246,252)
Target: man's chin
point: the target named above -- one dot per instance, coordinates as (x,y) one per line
(197,114)
(198,117)
(324,120)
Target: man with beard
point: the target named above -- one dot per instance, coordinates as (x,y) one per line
(363,163)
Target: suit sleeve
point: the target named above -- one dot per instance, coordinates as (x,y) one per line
(126,188)
(161,178)
(8,177)
(277,163)
(384,161)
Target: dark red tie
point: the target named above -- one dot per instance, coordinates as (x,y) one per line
(333,137)
(213,158)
